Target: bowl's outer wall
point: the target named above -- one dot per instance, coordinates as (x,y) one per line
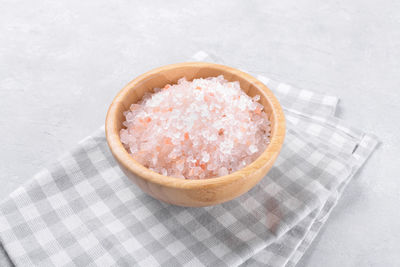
(194,197)
(211,193)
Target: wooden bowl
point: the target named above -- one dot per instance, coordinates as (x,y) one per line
(193,193)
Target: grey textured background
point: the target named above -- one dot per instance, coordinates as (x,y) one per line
(62,62)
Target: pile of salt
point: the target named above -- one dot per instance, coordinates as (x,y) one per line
(195,130)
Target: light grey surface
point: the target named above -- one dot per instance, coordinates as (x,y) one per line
(61,63)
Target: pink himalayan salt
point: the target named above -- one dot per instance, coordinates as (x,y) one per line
(195,130)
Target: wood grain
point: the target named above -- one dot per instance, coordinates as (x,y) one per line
(194,193)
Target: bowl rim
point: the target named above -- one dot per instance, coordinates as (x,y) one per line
(124,158)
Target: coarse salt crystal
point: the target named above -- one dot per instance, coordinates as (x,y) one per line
(205,157)
(253,149)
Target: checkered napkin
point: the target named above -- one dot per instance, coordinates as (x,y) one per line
(83,211)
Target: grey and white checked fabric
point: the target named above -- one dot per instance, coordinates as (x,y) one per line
(82,210)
